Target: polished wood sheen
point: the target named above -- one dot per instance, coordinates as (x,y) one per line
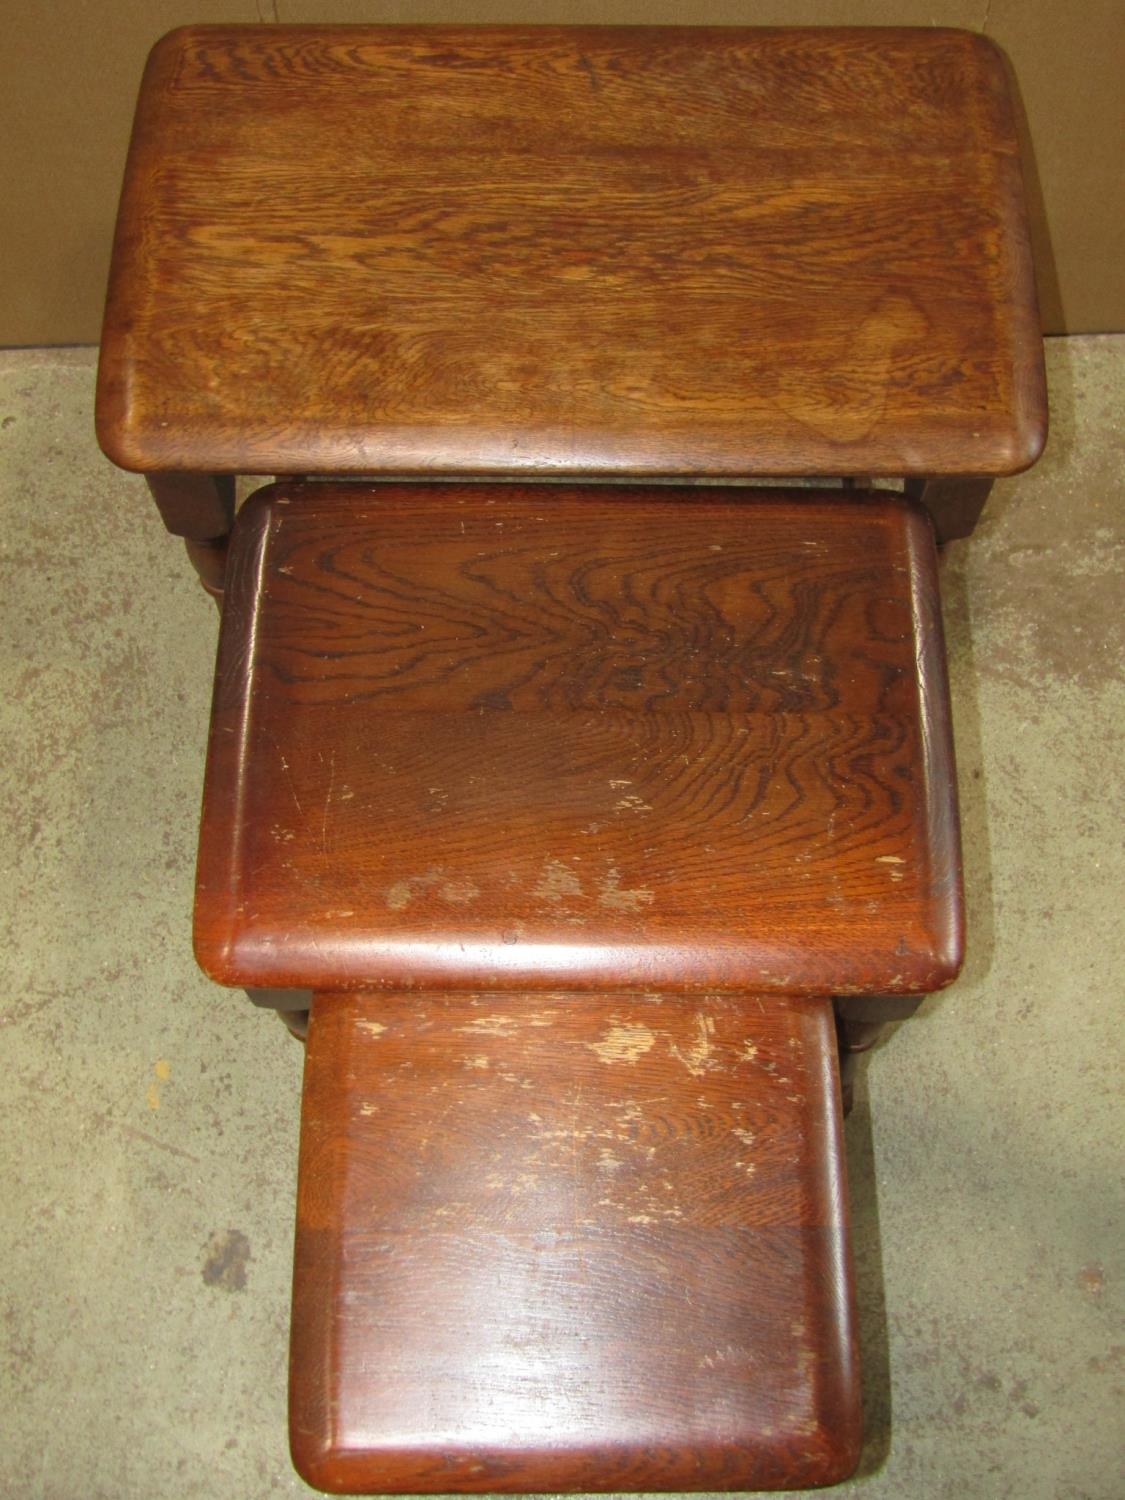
(584,251)
(551,1242)
(482,736)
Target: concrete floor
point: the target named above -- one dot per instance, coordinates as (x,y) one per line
(149,1120)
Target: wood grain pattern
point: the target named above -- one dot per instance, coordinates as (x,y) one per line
(472,737)
(587,251)
(571,1242)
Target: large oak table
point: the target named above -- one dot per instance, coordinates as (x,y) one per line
(613,253)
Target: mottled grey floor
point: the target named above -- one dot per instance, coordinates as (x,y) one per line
(149,1120)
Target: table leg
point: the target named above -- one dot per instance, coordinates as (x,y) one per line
(200,508)
(954,504)
(291,1006)
(860,1021)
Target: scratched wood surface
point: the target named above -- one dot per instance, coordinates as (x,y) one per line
(587,251)
(571,1242)
(476,736)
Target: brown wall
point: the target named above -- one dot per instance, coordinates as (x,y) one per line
(71,68)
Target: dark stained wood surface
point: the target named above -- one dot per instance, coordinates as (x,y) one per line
(571,1242)
(479,736)
(586,251)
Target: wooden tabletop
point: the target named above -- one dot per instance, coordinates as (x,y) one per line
(595,250)
(476,736)
(571,1242)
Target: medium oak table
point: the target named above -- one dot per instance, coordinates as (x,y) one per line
(576,814)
